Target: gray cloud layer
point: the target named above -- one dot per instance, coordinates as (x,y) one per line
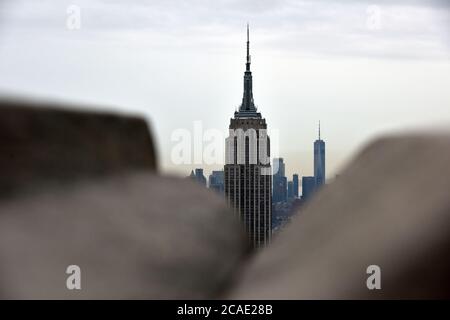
(406,29)
(182,61)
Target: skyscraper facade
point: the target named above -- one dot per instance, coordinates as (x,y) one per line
(200,177)
(295,184)
(308,187)
(216,181)
(290,190)
(319,161)
(279,181)
(248,175)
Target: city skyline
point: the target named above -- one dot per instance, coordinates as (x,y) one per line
(185,61)
(280,165)
(255,188)
(283,170)
(247,169)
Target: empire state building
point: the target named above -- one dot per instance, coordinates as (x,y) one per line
(248,174)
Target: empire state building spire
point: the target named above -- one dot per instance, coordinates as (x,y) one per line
(319,129)
(247,100)
(248,50)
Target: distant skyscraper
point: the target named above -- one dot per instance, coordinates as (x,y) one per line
(248,177)
(279,167)
(216,181)
(290,190)
(279,181)
(200,177)
(308,187)
(295,184)
(319,161)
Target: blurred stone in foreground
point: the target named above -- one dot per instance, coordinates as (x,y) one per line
(97,203)
(129,235)
(390,207)
(48,143)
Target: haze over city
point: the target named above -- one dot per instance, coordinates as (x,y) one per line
(361,68)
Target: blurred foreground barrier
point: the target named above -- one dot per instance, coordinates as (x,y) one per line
(49,143)
(128,235)
(97,204)
(79,189)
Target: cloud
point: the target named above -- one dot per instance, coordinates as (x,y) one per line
(403,29)
(180,57)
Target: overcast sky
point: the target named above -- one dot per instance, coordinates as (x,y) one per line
(361,68)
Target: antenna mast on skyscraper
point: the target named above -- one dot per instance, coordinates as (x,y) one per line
(319,129)
(248,48)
